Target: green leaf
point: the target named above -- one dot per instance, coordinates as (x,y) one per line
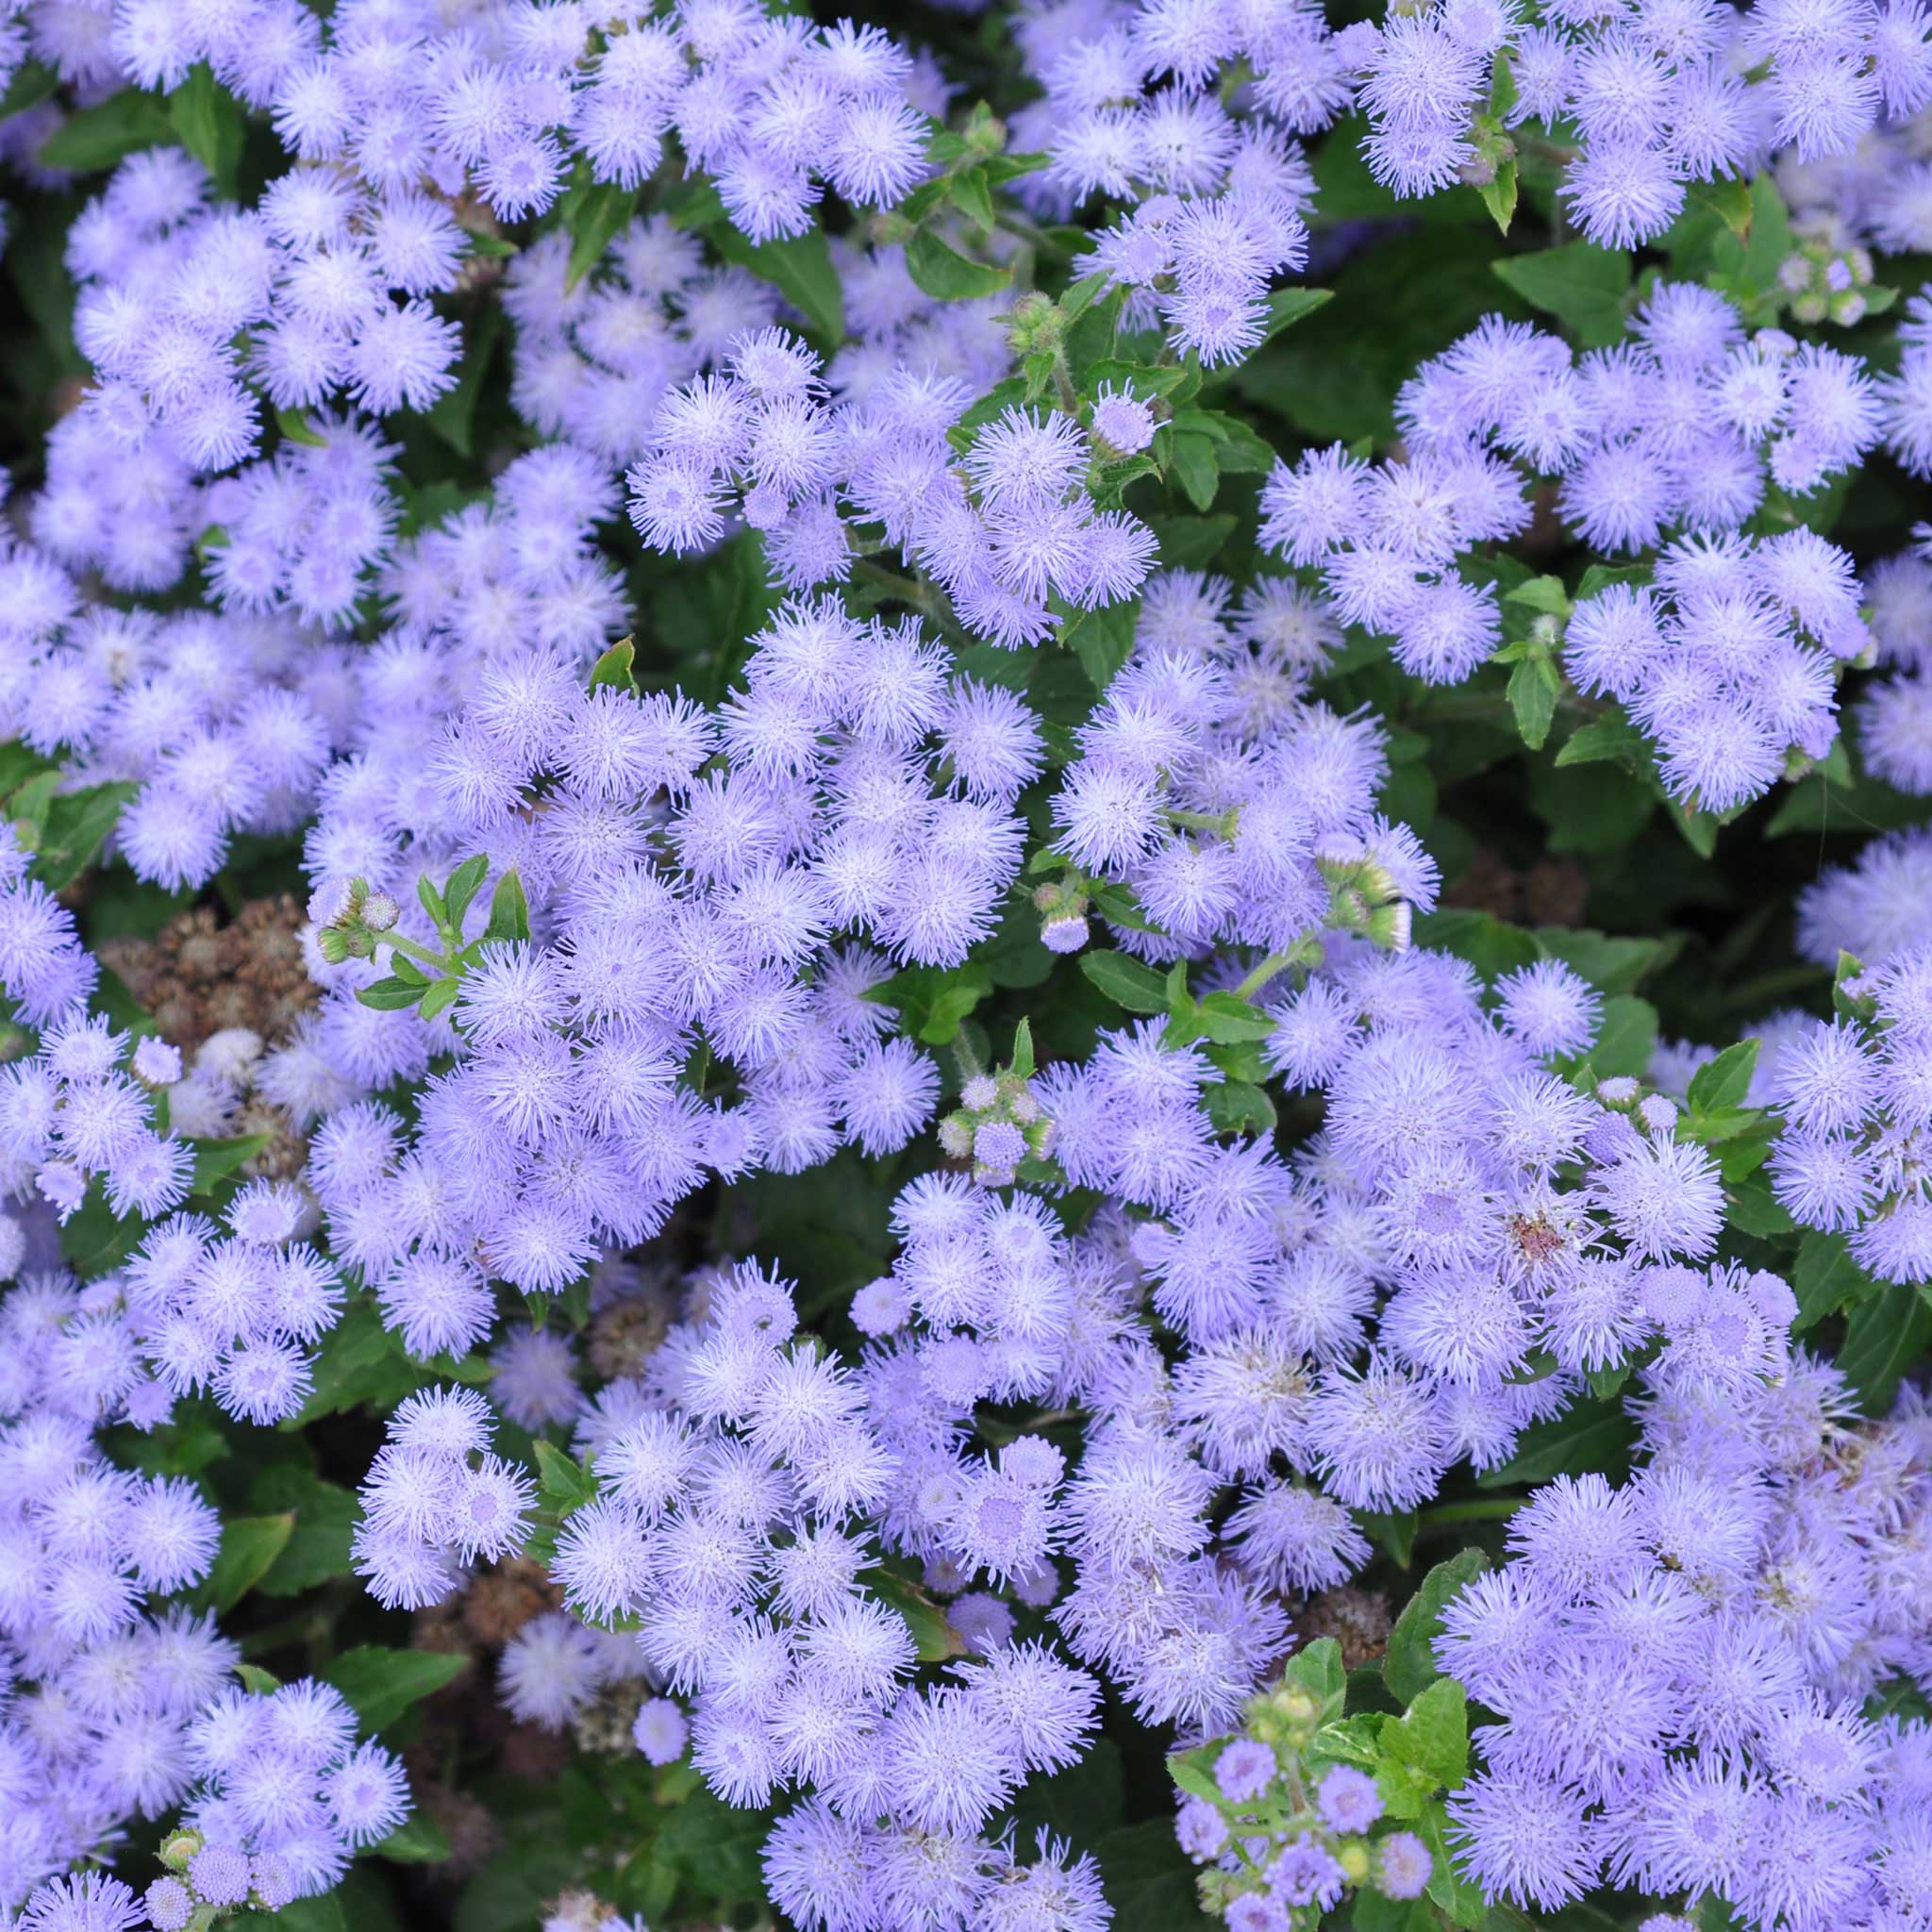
(1227,1019)
(256,1681)
(1724,1081)
(1499,194)
(615,668)
(418,1841)
(1125,981)
(1613,965)
(214,1161)
(441,996)
(1408,1666)
(1191,461)
(509,912)
(1433,1734)
(1883,1336)
(1103,640)
(393,994)
(99,137)
(453,414)
(323,1913)
(463,883)
(1533,688)
(326,1516)
(1728,198)
(946,275)
(1286,306)
(565,1484)
(715,1845)
(33,82)
(212,122)
(1586,1436)
(249,1545)
(76,826)
(1317,1668)
(1192,1776)
(383,1684)
(1753,1209)
(1546,594)
(1239,1107)
(1395,1530)
(933,1638)
(1625,1039)
(1825,1279)
(1192,543)
(1583,286)
(296,428)
(1459,1901)
(1612,737)
(594,216)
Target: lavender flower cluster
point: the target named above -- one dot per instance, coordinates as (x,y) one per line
(954,1046)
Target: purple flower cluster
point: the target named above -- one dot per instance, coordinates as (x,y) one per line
(1853,1091)
(46,972)
(1729,658)
(998,526)
(1678,1665)
(1875,909)
(852,787)
(285,1798)
(383,100)
(1211,787)
(747,1486)
(1678,428)
(436,1500)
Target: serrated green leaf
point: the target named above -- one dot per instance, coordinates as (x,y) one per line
(393,994)
(1499,194)
(1408,1666)
(1626,1039)
(1286,306)
(1586,1436)
(75,827)
(615,668)
(418,1841)
(382,1684)
(214,1161)
(1239,1107)
(1125,981)
(509,912)
(249,1546)
(97,138)
(1883,1336)
(1583,286)
(1724,1081)
(1533,688)
(1603,739)
(1825,1279)
(593,216)
(947,275)
(1432,1736)
(565,1484)
(1103,640)
(212,124)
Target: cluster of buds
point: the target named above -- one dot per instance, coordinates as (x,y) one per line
(206,1883)
(1829,282)
(1062,908)
(360,924)
(998,1122)
(1288,1814)
(1363,896)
